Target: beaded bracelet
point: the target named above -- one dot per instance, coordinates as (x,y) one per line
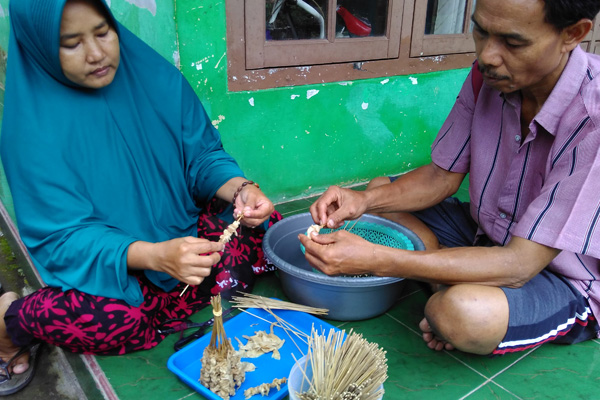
(237,192)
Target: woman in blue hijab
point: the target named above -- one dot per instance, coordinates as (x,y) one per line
(116,175)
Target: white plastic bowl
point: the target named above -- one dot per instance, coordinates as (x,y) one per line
(296,381)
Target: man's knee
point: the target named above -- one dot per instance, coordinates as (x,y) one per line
(472,318)
(446,311)
(379,181)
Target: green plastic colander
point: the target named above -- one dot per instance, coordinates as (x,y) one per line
(374,233)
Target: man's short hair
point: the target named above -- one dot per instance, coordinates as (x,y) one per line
(563,13)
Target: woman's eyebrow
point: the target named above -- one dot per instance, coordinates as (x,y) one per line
(68,36)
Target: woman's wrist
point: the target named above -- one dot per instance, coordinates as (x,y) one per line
(240,188)
(142,256)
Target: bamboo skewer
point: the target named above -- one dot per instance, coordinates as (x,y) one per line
(249,300)
(224,238)
(287,328)
(353,225)
(218,338)
(344,369)
(222,369)
(317,228)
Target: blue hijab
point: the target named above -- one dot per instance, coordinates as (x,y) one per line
(92,171)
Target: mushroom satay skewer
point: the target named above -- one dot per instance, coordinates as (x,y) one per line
(314,228)
(224,238)
(317,228)
(231,230)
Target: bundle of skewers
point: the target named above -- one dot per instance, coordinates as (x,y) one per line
(249,300)
(349,368)
(222,368)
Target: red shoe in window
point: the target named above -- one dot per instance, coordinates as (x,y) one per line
(355,26)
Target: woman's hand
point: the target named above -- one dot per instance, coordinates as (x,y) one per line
(255,206)
(339,253)
(188,259)
(248,200)
(337,205)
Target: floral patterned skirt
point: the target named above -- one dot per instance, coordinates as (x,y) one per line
(88,324)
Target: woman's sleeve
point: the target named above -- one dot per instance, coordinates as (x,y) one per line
(69,245)
(208,166)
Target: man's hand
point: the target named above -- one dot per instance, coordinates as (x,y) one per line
(339,253)
(337,205)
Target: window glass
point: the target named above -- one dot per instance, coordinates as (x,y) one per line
(299,19)
(357,18)
(447,17)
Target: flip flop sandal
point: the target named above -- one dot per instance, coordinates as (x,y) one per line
(12,383)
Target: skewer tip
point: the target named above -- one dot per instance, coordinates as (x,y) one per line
(183,291)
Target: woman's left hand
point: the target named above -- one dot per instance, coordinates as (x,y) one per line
(255,206)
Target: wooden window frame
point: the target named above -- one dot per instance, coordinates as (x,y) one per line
(416,53)
(243,78)
(591,43)
(433,45)
(261,53)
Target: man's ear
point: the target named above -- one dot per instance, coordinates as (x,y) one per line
(573,35)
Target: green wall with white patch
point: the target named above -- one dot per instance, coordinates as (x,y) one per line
(294,141)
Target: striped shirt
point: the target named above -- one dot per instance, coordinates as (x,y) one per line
(545,188)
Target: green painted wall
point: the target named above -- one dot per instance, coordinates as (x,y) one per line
(296,145)
(151,20)
(294,141)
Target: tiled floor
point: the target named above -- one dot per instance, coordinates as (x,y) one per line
(415,372)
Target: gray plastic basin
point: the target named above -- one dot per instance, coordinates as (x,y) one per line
(347,298)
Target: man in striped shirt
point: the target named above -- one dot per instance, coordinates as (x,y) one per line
(518,265)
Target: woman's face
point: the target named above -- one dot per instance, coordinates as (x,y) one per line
(89,46)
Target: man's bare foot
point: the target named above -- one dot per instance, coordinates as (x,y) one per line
(7,347)
(436,287)
(432,341)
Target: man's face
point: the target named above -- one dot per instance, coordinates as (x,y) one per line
(515,47)
(89,46)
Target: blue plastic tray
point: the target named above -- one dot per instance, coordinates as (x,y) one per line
(186,362)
